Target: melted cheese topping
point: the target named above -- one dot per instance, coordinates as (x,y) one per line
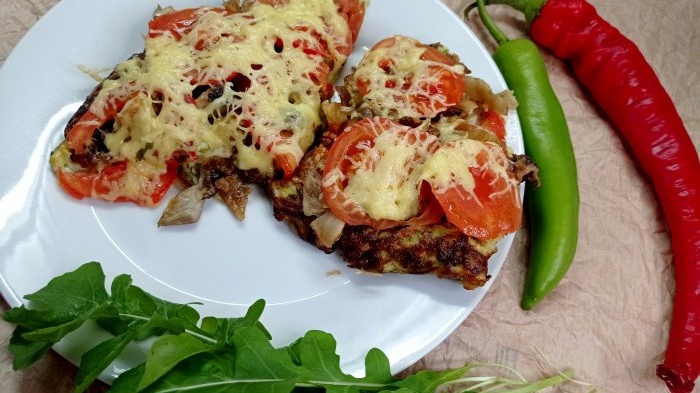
(384,178)
(269,104)
(385,183)
(395,77)
(388,188)
(449,166)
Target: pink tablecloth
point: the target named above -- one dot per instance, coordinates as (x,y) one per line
(609,318)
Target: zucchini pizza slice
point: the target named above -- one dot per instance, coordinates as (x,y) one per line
(413,174)
(220,97)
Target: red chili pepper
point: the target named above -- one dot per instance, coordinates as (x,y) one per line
(626,88)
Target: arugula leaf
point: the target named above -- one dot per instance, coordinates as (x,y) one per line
(63,299)
(57,332)
(167,352)
(73,293)
(223,329)
(62,306)
(132,301)
(256,358)
(213,373)
(377,367)
(214,355)
(34,319)
(96,360)
(321,365)
(128,381)
(25,352)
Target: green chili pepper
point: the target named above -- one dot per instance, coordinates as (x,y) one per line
(553,206)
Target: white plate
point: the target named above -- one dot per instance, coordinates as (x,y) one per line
(220,262)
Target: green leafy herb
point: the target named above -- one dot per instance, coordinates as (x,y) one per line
(212,355)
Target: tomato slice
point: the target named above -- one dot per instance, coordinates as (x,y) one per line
(90,183)
(107,183)
(162,184)
(177,23)
(359,152)
(428,88)
(79,136)
(287,164)
(180,22)
(449,84)
(478,193)
(495,123)
(351,10)
(354,13)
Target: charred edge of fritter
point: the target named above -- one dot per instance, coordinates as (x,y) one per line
(439,249)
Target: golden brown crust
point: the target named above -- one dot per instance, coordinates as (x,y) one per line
(439,249)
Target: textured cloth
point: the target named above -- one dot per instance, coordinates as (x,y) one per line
(609,317)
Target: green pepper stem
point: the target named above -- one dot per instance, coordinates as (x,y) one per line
(492,27)
(531,8)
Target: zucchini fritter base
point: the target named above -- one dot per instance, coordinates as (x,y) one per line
(439,249)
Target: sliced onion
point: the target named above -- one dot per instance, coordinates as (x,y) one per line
(184,208)
(328,229)
(160,11)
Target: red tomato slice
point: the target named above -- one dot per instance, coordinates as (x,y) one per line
(429,92)
(164,182)
(80,134)
(287,164)
(495,123)
(354,13)
(351,10)
(89,184)
(349,154)
(449,85)
(485,205)
(102,184)
(177,23)
(180,22)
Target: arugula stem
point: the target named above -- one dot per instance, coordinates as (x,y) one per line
(310,384)
(201,336)
(497,386)
(136,317)
(483,382)
(376,386)
(513,386)
(545,383)
(497,365)
(190,332)
(214,384)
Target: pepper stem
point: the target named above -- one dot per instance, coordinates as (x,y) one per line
(531,8)
(490,25)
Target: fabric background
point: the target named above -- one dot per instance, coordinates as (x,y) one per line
(609,317)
